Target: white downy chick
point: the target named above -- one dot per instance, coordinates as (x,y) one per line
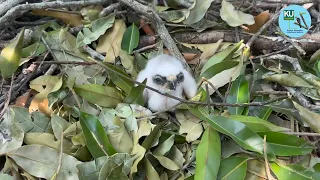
(166,74)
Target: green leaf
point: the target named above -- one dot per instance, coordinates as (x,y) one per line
(117,174)
(58,125)
(43,162)
(105,96)
(151,173)
(239,93)
(261,112)
(175,16)
(287,145)
(14,132)
(10,56)
(256,124)
(34,49)
(148,141)
(95,136)
(293,172)
(167,163)
(315,57)
(123,83)
(130,38)
(233,16)
(164,147)
(47,139)
(233,168)
(99,27)
(239,132)
(208,155)
(119,136)
(136,95)
(198,11)
(90,170)
(221,56)
(311,118)
(287,80)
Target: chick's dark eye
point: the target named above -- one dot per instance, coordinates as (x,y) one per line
(157,80)
(180,77)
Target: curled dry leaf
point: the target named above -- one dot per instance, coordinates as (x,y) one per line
(259,21)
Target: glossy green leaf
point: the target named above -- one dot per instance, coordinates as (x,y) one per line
(136,95)
(99,27)
(105,96)
(198,11)
(123,83)
(208,155)
(239,93)
(315,57)
(234,17)
(311,118)
(10,56)
(293,172)
(287,80)
(130,38)
(223,55)
(238,131)
(233,168)
(256,124)
(287,145)
(95,136)
(260,112)
(43,162)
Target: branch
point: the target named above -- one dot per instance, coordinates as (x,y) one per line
(293,61)
(309,43)
(160,27)
(267,24)
(218,104)
(18,10)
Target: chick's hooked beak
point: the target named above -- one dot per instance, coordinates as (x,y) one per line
(172,83)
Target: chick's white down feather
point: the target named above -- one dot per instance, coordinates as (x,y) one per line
(168,67)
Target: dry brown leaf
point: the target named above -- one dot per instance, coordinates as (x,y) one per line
(189,57)
(44,107)
(260,20)
(21,101)
(110,42)
(68,18)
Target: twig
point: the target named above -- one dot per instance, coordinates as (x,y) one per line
(271,92)
(94,54)
(6,105)
(165,94)
(18,10)
(270,177)
(160,27)
(302,100)
(63,11)
(208,97)
(295,45)
(7,5)
(109,9)
(294,61)
(215,89)
(145,48)
(267,24)
(273,53)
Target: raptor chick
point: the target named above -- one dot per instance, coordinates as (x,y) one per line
(166,74)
